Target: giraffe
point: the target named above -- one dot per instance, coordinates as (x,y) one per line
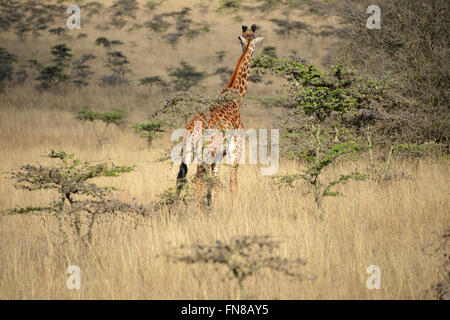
(221,117)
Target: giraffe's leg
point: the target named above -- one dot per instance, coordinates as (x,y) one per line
(233,177)
(234,185)
(212,185)
(198,185)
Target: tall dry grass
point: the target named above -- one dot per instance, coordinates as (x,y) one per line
(385,224)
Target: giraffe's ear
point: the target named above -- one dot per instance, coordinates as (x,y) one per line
(258,40)
(242,40)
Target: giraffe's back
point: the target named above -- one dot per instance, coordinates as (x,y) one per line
(220,117)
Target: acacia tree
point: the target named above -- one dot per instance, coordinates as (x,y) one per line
(6,69)
(312,128)
(115,116)
(72,178)
(53,75)
(242,257)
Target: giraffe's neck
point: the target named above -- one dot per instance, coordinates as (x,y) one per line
(239,78)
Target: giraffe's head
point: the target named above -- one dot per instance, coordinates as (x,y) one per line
(248,37)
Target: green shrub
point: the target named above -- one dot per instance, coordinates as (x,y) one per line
(149,130)
(117,62)
(72,179)
(6,66)
(81,71)
(151,81)
(53,75)
(116,116)
(270,51)
(288,28)
(185,76)
(230,4)
(122,9)
(314,128)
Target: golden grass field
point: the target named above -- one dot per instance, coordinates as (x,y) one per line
(389,224)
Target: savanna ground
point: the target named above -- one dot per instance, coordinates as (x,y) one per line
(392,223)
